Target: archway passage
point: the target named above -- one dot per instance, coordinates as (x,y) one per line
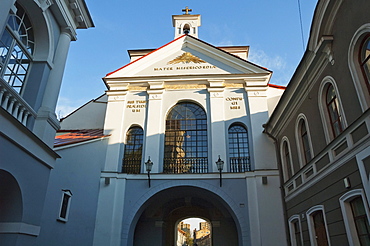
(161,213)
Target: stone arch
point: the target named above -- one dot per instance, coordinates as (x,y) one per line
(42,24)
(323,21)
(131,219)
(11,205)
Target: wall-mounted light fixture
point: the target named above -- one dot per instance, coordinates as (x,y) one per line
(149,165)
(220,166)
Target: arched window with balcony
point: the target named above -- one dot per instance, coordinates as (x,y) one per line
(133,150)
(238,149)
(16,49)
(333,110)
(185,144)
(359,64)
(286,159)
(364,59)
(303,141)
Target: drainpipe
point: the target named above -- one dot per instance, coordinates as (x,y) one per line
(282,192)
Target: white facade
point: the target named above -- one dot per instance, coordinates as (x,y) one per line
(34,43)
(246,209)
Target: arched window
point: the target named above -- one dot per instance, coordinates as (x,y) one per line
(185,146)
(332,106)
(16,49)
(355,215)
(133,151)
(304,142)
(295,230)
(238,149)
(286,160)
(317,226)
(186,29)
(365,61)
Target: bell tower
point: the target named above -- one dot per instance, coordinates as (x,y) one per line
(186,23)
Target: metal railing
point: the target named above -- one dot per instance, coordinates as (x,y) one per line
(131,166)
(240,164)
(185,165)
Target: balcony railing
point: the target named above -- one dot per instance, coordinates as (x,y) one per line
(131,166)
(185,165)
(12,102)
(240,164)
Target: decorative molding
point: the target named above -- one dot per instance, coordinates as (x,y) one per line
(187,86)
(19,228)
(186,58)
(44,4)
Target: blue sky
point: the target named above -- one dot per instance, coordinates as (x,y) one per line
(270,27)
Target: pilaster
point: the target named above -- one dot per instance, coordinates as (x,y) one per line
(217,117)
(260,143)
(46,122)
(113,126)
(154,132)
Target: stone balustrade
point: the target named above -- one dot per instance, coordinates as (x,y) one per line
(14,104)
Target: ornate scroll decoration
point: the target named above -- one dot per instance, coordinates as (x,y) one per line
(186,58)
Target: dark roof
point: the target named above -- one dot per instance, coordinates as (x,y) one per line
(66,137)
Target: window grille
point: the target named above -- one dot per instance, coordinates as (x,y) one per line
(16,49)
(332,106)
(133,151)
(185,149)
(239,149)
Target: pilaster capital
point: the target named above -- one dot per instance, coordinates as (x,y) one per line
(116,95)
(155,94)
(70,32)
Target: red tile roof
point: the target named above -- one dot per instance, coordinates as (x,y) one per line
(145,55)
(66,137)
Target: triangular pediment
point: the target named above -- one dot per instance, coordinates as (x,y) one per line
(187,55)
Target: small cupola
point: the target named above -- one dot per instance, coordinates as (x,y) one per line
(186,23)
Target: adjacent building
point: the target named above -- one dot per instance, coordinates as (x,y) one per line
(34,42)
(321,130)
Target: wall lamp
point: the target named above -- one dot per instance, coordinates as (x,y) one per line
(149,165)
(220,166)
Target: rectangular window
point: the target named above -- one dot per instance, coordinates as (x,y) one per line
(65,204)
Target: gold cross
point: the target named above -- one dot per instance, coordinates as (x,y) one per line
(187,10)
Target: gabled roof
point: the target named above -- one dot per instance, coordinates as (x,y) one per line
(66,137)
(223,62)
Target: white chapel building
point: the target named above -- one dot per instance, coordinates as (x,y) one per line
(184,108)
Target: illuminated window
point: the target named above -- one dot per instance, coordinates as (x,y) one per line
(133,151)
(186,147)
(16,49)
(238,149)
